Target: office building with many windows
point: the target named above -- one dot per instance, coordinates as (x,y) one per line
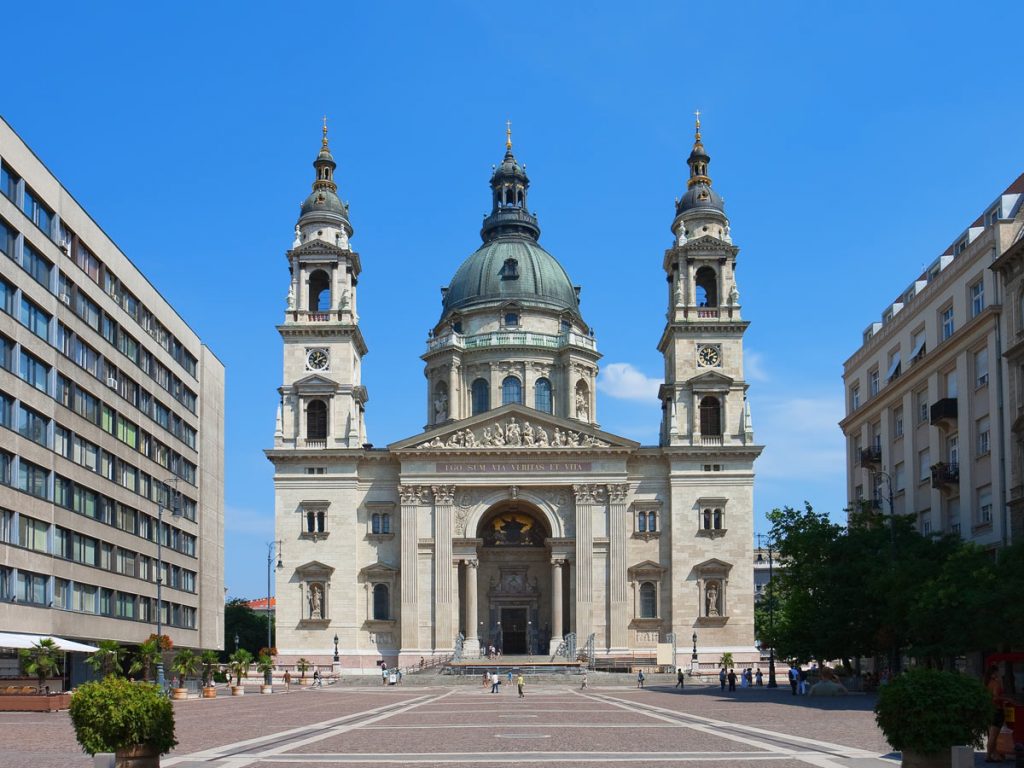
(111,418)
(927,405)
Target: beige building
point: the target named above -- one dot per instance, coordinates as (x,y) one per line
(512,519)
(110,408)
(928,408)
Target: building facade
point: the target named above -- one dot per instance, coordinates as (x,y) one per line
(512,519)
(929,409)
(111,416)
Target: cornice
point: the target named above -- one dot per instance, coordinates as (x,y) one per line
(327,330)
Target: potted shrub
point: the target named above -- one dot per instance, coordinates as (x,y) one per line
(925,712)
(185,664)
(133,720)
(107,660)
(146,658)
(209,661)
(41,660)
(265,665)
(303,666)
(239,663)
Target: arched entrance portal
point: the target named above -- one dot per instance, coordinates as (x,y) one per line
(513,579)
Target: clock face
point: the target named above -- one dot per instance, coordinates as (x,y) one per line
(317,360)
(709,355)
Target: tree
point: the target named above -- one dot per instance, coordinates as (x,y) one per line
(41,660)
(239,662)
(108,659)
(208,660)
(185,664)
(250,626)
(146,657)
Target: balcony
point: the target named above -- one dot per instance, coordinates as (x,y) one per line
(871,457)
(945,475)
(512,339)
(943,413)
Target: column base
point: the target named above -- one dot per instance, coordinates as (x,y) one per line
(471,648)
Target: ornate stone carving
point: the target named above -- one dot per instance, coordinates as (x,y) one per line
(461,516)
(440,407)
(443,494)
(411,494)
(512,433)
(617,492)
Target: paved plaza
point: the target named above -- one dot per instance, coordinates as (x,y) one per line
(556,724)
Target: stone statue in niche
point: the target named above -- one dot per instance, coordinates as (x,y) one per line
(582,411)
(344,300)
(542,436)
(315,601)
(440,407)
(527,433)
(291,296)
(711,596)
(734,296)
(512,432)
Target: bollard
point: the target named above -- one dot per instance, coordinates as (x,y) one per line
(104,760)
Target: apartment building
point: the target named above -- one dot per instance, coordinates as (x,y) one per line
(111,418)
(926,420)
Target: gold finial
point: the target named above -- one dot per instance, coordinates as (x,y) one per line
(697,114)
(325,131)
(508,134)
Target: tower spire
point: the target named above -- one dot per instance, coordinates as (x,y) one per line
(325,165)
(508,135)
(509,215)
(324,142)
(699,159)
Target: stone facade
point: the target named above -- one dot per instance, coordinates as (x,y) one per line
(513,520)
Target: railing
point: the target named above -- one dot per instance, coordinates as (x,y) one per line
(315,443)
(871,456)
(711,440)
(510,339)
(707,313)
(318,317)
(943,410)
(945,474)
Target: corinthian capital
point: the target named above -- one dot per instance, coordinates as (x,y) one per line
(443,494)
(617,492)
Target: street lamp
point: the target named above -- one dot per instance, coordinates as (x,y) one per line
(693,656)
(175,507)
(236,641)
(280,565)
(771,607)
(336,657)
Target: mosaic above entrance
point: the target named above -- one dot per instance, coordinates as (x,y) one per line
(511,433)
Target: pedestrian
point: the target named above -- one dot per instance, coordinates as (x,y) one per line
(758,677)
(510,677)
(398,671)
(520,682)
(383,674)
(804,685)
(732,680)
(495,682)
(721,678)
(584,683)
(794,677)
(487,679)
(317,680)
(994,686)
(679,678)
(287,681)
(640,679)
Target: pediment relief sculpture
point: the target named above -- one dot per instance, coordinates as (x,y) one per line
(513,433)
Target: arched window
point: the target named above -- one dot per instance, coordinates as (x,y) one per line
(710,416)
(707,287)
(375,523)
(652,522)
(511,391)
(319,291)
(315,521)
(316,420)
(381,602)
(641,522)
(385,523)
(542,395)
(707,519)
(718,519)
(481,396)
(648,600)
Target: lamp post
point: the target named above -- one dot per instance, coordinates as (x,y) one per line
(693,656)
(336,657)
(894,656)
(171,485)
(280,565)
(771,607)
(236,641)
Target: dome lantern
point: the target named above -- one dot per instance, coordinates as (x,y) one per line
(509,214)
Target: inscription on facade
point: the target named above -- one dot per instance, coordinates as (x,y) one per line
(510,467)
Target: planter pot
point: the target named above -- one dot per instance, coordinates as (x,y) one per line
(303,683)
(179,694)
(913,759)
(209,692)
(139,756)
(237,690)
(266,689)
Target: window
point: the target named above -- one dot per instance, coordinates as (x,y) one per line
(899,477)
(316,420)
(33,425)
(316,521)
(922,406)
(9,183)
(39,213)
(981,368)
(641,522)
(319,291)
(854,397)
(983,429)
(6,353)
(381,602)
(710,416)
(952,388)
(893,371)
(35,319)
(380,523)
(947,323)
(924,465)
(6,406)
(511,320)
(542,395)
(6,463)
(977,298)
(511,391)
(31,588)
(717,517)
(953,449)
(36,265)
(984,505)
(32,533)
(648,600)
(481,393)
(33,479)
(510,270)
(873,382)
(917,345)
(8,236)
(897,422)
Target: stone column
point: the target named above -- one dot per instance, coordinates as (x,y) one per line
(445,604)
(584,561)
(409,538)
(618,600)
(471,646)
(454,411)
(557,633)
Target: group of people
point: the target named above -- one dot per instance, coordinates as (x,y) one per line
(391,676)
(493,679)
(747,677)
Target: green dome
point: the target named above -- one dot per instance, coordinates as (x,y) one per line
(535,278)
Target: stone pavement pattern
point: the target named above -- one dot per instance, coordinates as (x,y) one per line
(556,724)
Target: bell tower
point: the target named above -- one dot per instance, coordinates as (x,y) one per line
(322,399)
(704,394)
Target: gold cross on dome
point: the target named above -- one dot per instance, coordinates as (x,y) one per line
(508,134)
(325,130)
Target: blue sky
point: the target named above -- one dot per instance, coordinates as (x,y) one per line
(852,143)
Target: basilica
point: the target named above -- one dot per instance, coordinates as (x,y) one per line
(513,520)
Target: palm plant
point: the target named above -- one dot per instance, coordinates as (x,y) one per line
(107,660)
(42,659)
(239,663)
(303,666)
(185,664)
(726,660)
(146,658)
(209,661)
(265,665)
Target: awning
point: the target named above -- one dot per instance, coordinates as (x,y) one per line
(18,640)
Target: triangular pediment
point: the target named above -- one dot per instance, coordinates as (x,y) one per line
(713,566)
(512,428)
(317,247)
(646,568)
(711,380)
(378,570)
(708,243)
(315,383)
(314,568)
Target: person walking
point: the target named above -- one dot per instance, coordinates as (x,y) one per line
(679,678)
(520,682)
(287,681)
(732,680)
(383,674)
(317,680)
(495,682)
(583,684)
(640,679)
(994,686)
(758,677)
(487,679)
(721,678)
(794,677)
(510,677)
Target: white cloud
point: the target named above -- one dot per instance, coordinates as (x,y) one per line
(754,366)
(624,381)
